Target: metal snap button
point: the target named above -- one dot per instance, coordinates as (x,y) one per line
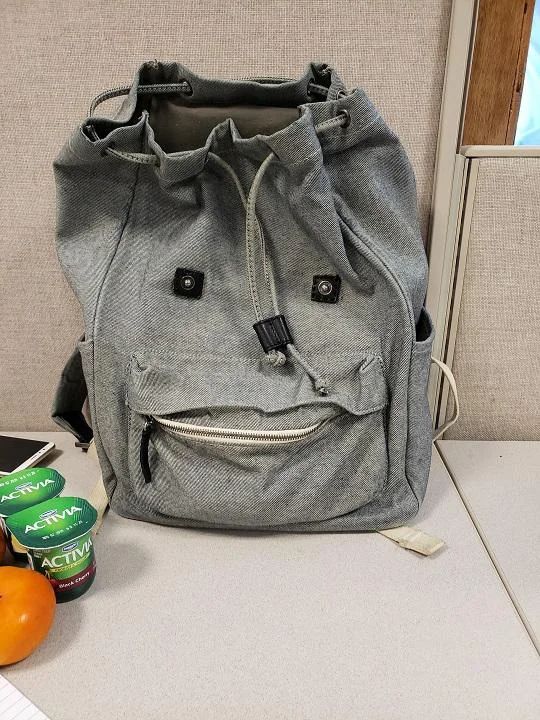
(188,283)
(325,288)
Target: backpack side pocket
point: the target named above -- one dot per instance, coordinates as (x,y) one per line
(419,424)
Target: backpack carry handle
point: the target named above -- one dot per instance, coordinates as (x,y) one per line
(185,88)
(181,87)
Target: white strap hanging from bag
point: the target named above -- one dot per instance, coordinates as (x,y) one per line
(448,374)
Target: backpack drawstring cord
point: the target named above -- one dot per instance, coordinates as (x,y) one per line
(255,237)
(276,357)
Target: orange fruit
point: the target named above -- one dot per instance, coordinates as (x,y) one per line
(2,545)
(27,606)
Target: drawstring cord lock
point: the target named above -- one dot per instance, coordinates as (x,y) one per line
(273,334)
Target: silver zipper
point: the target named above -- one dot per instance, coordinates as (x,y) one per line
(233,436)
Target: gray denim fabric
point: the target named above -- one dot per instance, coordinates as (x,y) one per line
(335,201)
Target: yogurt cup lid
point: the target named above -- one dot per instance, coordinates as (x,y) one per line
(24,488)
(55,522)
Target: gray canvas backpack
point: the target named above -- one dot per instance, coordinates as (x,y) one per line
(248,259)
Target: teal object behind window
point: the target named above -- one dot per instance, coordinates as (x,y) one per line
(528,127)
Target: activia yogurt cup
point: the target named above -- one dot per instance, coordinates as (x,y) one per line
(57,536)
(22,489)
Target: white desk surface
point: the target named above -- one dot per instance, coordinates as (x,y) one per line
(199,624)
(500,484)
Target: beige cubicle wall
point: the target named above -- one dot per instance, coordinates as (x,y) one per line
(58,54)
(494,335)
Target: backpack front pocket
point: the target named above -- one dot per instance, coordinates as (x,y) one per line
(261,452)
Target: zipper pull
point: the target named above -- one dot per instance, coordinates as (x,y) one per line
(149,425)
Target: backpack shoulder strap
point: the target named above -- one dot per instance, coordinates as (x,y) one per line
(68,403)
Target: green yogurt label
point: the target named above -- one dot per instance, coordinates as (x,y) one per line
(22,489)
(57,537)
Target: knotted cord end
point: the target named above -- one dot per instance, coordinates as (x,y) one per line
(322,386)
(276,358)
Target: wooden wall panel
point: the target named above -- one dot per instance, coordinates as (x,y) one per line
(498,66)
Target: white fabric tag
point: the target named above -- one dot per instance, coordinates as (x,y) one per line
(412,538)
